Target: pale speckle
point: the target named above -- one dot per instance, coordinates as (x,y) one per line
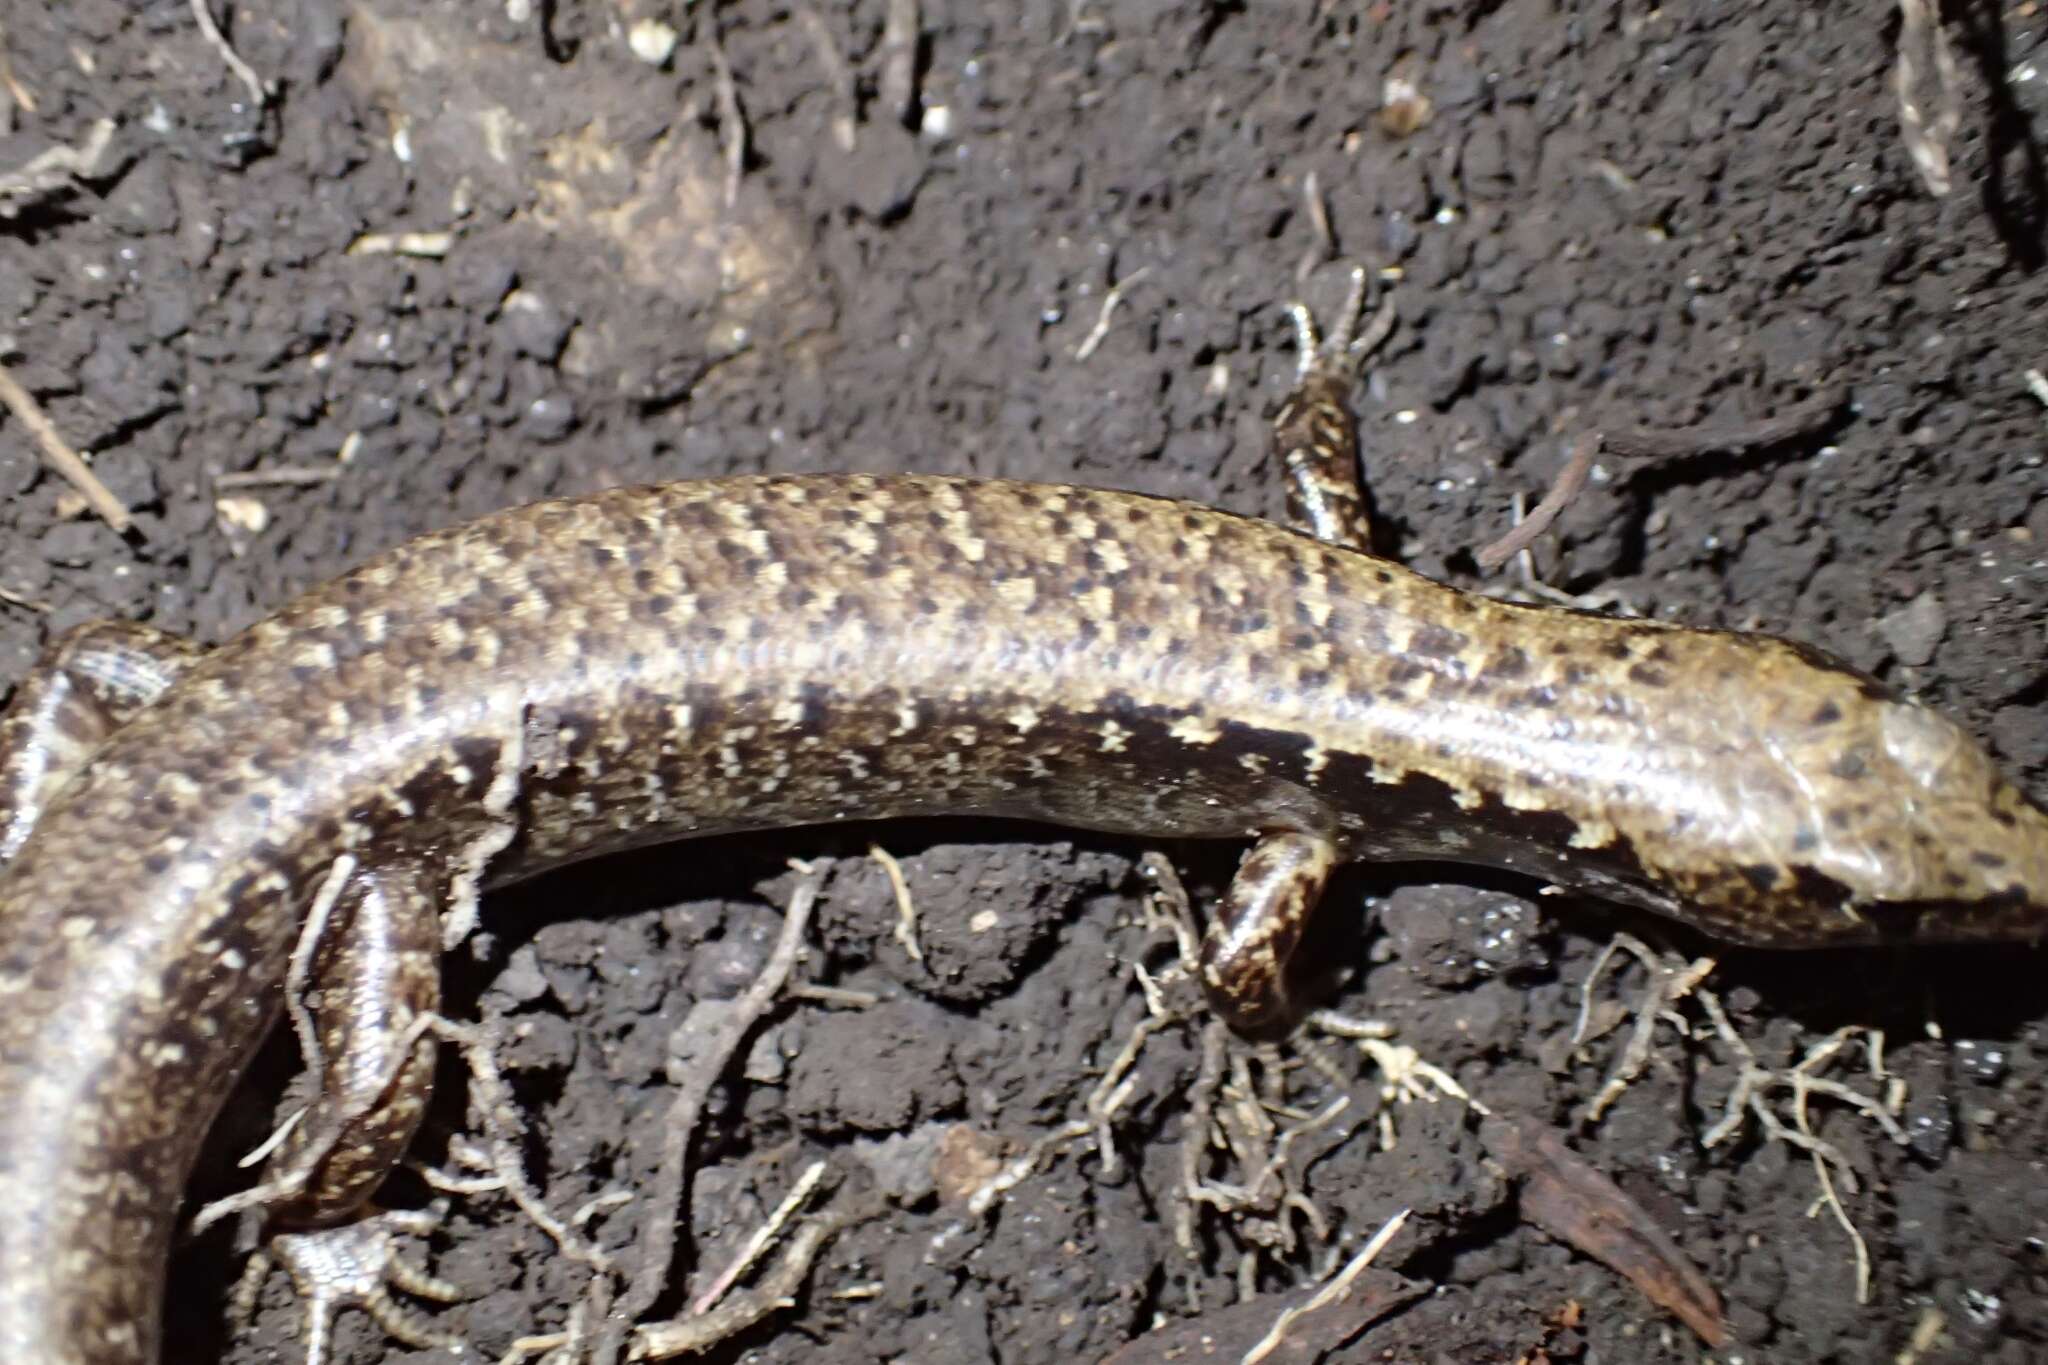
(1592,833)
(1114,737)
(1195,729)
(1024,719)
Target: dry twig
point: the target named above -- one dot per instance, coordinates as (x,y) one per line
(55,171)
(1927,138)
(897,87)
(62,457)
(289,476)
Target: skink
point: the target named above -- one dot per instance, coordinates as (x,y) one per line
(657,663)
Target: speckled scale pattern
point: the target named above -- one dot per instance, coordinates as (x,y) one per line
(652,663)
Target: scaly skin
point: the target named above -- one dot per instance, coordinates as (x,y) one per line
(656,663)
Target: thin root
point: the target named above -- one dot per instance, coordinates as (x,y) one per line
(1110,303)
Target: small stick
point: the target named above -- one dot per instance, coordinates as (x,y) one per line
(1570,480)
(898,85)
(1318,215)
(15,88)
(48,172)
(297,476)
(62,457)
(259,93)
(1926,140)
(838,997)
(1638,443)
(732,122)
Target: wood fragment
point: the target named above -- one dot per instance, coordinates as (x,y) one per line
(1564,1195)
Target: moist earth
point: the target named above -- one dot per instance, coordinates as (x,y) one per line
(1050,241)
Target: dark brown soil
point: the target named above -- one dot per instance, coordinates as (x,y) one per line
(1662,217)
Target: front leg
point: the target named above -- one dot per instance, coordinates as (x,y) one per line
(88,683)
(1255,931)
(362,993)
